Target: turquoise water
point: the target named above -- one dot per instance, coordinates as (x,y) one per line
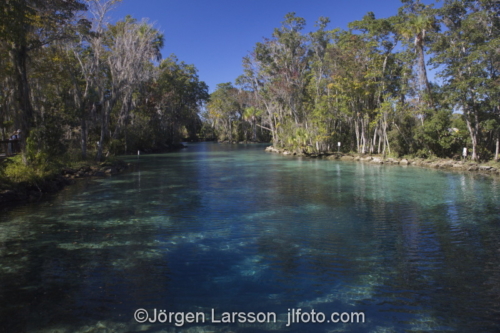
(232,228)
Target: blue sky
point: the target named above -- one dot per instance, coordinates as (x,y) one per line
(216,35)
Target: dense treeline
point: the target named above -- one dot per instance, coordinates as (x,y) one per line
(75,84)
(367,87)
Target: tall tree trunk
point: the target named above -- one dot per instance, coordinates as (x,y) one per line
(108,106)
(125,138)
(19,55)
(81,103)
(273,132)
(386,138)
(84,138)
(103,135)
(254,134)
(363,139)
(356,127)
(497,148)
(374,141)
(474,132)
(379,143)
(422,72)
(122,119)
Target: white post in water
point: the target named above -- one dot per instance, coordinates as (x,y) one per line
(338,144)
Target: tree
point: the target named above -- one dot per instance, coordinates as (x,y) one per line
(468,58)
(225,110)
(277,75)
(123,55)
(26,26)
(417,20)
(175,98)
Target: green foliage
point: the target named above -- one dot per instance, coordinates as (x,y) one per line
(366,87)
(44,156)
(172,111)
(439,136)
(422,153)
(225,111)
(369,88)
(296,138)
(46,139)
(115,146)
(397,141)
(40,168)
(465,53)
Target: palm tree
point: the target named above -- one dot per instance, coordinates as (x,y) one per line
(416,26)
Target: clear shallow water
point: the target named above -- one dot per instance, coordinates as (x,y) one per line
(236,229)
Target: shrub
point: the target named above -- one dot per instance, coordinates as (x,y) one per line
(32,174)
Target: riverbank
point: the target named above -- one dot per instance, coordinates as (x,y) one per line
(19,193)
(164,148)
(492,168)
(23,192)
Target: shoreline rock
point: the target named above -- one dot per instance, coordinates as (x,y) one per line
(101,170)
(441,163)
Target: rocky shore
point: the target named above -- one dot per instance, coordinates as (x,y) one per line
(99,170)
(457,165)
(22,193)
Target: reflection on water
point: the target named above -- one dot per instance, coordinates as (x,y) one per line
(232,228)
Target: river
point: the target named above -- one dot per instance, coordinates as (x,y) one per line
(216,228)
